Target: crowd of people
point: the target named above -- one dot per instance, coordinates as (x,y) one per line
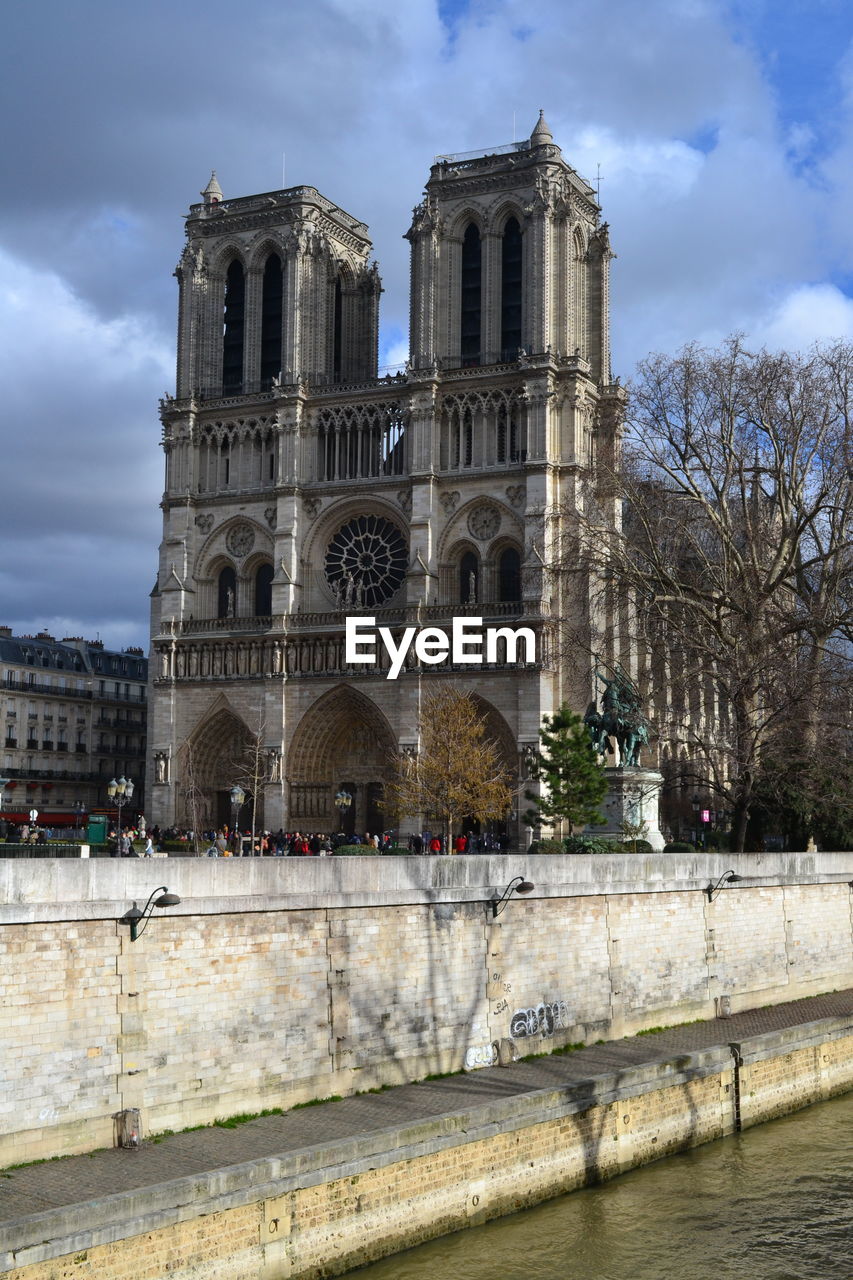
(133,842)
(466,842)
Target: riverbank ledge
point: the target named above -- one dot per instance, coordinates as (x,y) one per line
(338,1185)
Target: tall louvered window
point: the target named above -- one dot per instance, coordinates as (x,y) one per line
(271,321)
(471,295)
(337,341)
(511,291)
(234,329)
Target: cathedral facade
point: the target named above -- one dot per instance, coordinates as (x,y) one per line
(302,489)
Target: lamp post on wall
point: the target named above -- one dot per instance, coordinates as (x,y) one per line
(238,796)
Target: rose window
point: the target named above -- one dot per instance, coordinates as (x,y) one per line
(366,561)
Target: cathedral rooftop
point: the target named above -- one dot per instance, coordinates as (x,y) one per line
(267,201)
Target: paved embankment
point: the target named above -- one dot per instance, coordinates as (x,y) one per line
(325,1186)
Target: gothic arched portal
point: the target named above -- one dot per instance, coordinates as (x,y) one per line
(343,743)
(220,753)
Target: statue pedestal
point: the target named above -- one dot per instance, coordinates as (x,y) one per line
(632,797)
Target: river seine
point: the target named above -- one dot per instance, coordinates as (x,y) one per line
(773,1203)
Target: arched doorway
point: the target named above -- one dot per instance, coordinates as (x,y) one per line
(497,731)
(343,743)
(220,753)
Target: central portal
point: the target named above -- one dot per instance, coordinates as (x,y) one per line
(343,745)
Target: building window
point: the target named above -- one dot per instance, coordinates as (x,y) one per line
(471,297)
(263,591)
(234,328)
(271,321)
(337,343)
(511,291)
(509,575)
(469,579)
(226,600)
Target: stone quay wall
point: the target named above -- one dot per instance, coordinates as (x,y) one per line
(277,981)
(332,1207)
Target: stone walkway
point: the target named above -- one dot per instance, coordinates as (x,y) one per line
(77,1179)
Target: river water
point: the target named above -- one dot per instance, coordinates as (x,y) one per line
(773,1203)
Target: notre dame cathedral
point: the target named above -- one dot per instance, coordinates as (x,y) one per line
(302,488)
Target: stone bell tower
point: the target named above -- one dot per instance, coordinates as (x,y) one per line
(301,488)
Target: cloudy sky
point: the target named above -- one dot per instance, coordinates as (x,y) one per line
(723,130)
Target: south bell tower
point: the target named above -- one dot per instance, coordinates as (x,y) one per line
(302,488)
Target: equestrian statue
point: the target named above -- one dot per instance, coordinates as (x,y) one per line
(621,718)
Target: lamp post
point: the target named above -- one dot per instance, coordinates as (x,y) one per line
(695,806)
(343,802)
(238,795)
(119,793)
(4,782)
(79,810)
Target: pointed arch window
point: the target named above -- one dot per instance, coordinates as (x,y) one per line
(471,305)
(263,591)
(509,575)
(469,579)
(337,344)
(234,328)
(579,300)
(271,315)
(226,593)
(511,268)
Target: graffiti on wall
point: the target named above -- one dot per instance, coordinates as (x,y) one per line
(544,1020)
(481,1055)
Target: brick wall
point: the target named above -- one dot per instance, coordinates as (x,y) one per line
(322,1219)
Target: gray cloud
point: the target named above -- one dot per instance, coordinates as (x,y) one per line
(722,216)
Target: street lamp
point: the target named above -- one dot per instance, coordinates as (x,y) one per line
(343,802)
(695,802)
(139,919)
(517,885)
(238,796)
(4,782)
(119,793)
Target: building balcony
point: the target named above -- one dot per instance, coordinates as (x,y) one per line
(24,686)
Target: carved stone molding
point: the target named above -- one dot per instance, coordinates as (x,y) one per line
(450,501)
(515,493)
(484,521)
(270,516)
(205,522)
(240,539)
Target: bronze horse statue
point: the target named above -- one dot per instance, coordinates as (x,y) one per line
(621,718)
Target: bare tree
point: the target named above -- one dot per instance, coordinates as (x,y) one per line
(458,772)
(194,797)
(249,767)
(735,484)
